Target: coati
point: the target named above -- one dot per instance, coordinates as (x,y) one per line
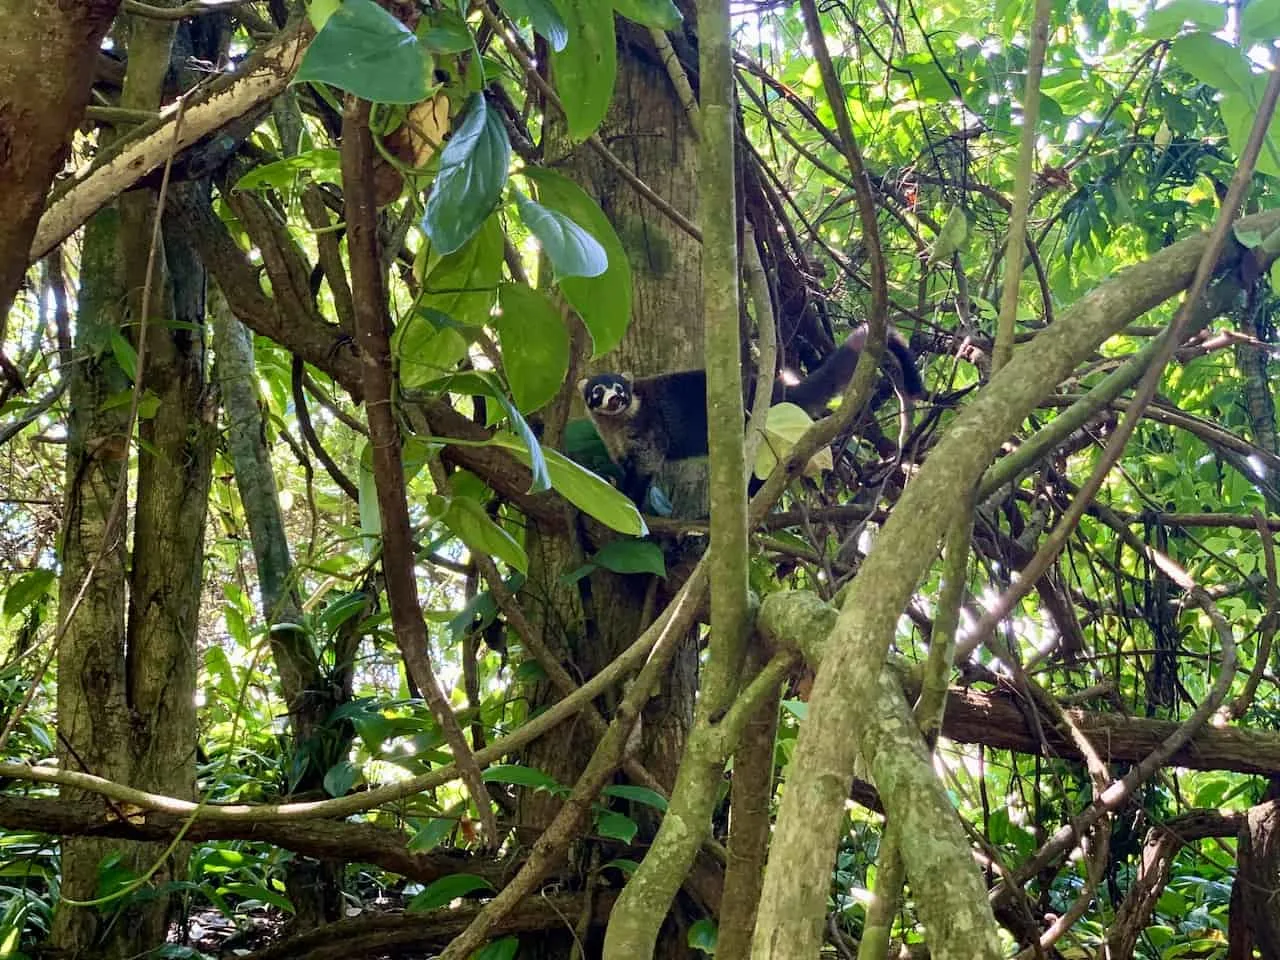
(646,421)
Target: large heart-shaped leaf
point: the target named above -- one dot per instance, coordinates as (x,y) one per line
(544,17)
(468,521)
(473,173)
(662,14)
(366,51)
(573,252)
(447,888)
(535,345)
(585,70)
(603,302)
(584,489)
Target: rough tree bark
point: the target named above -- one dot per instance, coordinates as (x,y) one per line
(648,129)
(47,52)
(126,680)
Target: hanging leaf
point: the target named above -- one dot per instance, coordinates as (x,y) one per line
(467,519)
(662,14)
(785,425)
(604,301)
(27,588)
(473,173)
(366,51)
(573,252)
(650,798)
(535,345)
(584,489)
(518,776)
(632,556)
(542,15)
(339,779)
(432,835)
(1213,61)
(1166,23)
(586,69)
(484,383)
(1260,22)
(616,826)
(443,31)
(321,165)
(458,291)
(446,889)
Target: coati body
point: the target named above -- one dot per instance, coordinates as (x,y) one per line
(646,421)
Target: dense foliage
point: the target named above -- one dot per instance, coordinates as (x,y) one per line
(1125,688)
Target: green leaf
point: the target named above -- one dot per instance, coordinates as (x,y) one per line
(952,237)
(319,12)
(584,489)
(662,14)
(1260,22)
(443,31)
(542,15)
(432,835)
(1238,114)
(473,173)
(366,51)
(256,891)
(650,798)
(322,165)
(586,69)
(467,519)
(370,513)
(632,556)
(603,302)
(339,779)
(704,935)
(126,357)
(582,443)
(504,949)
(786,424)
(572,251)
(484,383)
(1213,61)
(1165,23)
(535,345)
(457,298)
(445,889)
(797,708)
(519,776)
(27,588)
(615,826)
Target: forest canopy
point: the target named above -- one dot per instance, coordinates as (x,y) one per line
(565,478)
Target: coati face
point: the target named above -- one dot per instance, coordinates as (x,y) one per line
(608,394)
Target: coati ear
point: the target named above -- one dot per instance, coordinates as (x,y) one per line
(582,385)
(629,377)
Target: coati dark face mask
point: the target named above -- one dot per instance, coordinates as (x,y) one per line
(607,394)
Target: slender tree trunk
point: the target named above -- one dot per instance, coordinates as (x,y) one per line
(313,886)
(143,688)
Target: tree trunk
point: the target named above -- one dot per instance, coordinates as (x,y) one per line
(48,49)
(142,691)
(594,621)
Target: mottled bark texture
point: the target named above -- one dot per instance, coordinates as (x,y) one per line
(133,718)
(589,624)
(47,52)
